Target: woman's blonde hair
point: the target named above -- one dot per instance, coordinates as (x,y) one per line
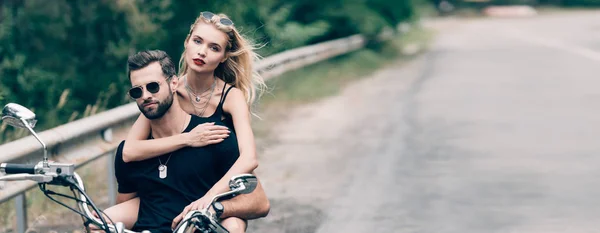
(237,70)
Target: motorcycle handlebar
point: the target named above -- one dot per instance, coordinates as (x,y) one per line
(86,210)
(14,168)
(16,172)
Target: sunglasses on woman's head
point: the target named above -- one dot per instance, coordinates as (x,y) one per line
(209,15)
(137,91)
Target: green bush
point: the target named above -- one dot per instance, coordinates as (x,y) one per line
(67,59)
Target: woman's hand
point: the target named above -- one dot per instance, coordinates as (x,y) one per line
(206,134)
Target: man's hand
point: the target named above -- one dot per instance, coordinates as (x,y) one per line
(197,205)
(206,134)
(93,227)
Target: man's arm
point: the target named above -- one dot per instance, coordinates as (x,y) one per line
(126,210)
(247,206)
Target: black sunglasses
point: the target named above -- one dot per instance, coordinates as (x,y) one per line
(137,91)
(209,15)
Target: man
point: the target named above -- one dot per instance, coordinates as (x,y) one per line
(163,186)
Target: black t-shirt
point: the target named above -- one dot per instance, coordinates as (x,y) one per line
(191,172)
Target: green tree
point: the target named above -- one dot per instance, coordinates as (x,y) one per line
(67,59)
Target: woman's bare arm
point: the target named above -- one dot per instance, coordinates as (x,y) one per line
(247,161)
(138,147)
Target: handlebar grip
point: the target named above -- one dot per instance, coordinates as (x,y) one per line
(15,168)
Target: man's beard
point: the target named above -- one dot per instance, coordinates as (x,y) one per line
(161,109)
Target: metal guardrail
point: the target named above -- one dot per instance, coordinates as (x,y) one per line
(295,58)
(90,138)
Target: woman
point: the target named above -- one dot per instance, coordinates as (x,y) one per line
(218,84)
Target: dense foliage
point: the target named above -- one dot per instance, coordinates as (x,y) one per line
(66,59)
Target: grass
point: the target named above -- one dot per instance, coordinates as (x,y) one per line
(53,119)
(328,78)
(291,89)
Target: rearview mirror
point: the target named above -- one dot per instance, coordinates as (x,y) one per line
(243,184)
(18,116)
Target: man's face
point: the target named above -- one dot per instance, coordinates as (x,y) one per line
(152,105)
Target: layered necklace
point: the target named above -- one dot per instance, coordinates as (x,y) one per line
(200,106)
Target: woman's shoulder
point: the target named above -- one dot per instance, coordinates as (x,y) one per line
(232,93)
(234,99)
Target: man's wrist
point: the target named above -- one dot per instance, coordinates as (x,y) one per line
(226,209)
(218,209)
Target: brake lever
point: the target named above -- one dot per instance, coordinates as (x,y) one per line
(37,177)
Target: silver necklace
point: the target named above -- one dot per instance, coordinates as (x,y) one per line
(193,92)
(203,108)
(162,168)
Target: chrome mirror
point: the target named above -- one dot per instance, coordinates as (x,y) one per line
(18,116)
(243,184)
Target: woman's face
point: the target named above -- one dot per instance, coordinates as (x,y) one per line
(205,49)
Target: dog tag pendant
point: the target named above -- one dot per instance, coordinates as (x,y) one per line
(162,171)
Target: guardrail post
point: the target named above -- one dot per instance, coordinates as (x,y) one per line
(112,182)
(21,209)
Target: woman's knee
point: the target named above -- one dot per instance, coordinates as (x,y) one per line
(234,225)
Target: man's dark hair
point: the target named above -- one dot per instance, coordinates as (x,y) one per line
(144,58)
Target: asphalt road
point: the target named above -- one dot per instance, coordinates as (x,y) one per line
(495,129)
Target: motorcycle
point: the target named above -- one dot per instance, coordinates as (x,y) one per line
(47,173)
